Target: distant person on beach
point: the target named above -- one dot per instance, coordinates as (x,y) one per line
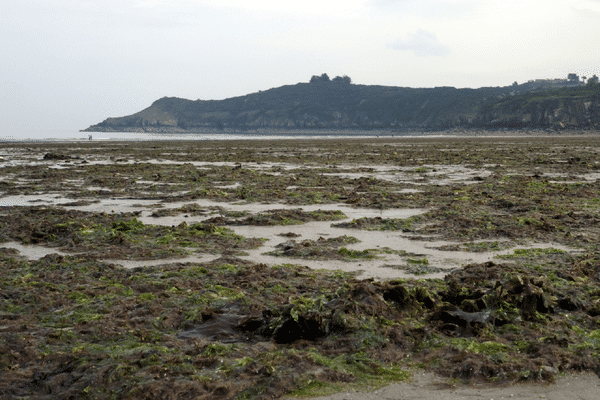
(90,137)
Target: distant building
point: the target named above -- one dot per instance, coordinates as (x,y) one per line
(543,84)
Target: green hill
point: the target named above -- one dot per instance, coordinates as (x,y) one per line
(342,105)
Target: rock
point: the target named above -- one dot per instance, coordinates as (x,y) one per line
(55,156)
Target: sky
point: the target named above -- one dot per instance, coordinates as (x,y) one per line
(68,64)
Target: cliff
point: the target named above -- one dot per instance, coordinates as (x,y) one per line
(576,107)
(341,105)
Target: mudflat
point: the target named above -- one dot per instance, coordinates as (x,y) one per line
(424,267)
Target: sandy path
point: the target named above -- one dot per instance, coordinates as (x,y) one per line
(585,386)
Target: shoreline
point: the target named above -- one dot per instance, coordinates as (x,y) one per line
(325,134)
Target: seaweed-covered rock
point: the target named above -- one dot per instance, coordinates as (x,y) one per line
(309,326)
(398,294)
(56,156)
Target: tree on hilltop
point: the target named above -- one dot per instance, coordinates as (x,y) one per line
(342,79)
(322,78)
(325,78)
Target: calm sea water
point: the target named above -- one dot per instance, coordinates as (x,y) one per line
(72,135)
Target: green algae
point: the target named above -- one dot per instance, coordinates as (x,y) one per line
(107,235)
(534,252)
(379,224)
(535,314)
(330,248)
(174,300)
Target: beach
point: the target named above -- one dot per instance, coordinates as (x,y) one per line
(330,268)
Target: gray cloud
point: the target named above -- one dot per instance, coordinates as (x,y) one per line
(422,43)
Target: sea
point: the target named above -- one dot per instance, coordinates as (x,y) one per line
(76,136)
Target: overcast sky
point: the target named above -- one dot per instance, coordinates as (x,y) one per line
(68,64)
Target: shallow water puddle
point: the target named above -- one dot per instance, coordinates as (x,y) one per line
(32,251)
(151,263)
(253,208)
(312,230)
(383,172)
(378,240)
(33,199)
(103,205)
(35,252)
(232,186)
(435,174)
(383,267)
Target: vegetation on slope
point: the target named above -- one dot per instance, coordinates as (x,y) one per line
(339,104)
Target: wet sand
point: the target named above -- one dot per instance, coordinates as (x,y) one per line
(584,386)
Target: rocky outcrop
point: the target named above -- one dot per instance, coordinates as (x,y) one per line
(549,111)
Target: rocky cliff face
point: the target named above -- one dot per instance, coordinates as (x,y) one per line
(574,108)
(345,106)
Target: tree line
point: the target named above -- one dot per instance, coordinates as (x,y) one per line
(324,78)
